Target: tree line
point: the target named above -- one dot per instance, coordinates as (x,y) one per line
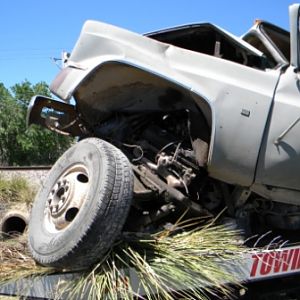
(19,145)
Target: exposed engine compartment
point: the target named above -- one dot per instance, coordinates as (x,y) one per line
(167,174)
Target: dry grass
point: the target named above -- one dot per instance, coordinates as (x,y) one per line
(15,260)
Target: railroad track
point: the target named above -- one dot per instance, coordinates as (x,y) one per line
(24,168)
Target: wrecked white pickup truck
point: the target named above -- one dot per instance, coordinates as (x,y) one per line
(184,121)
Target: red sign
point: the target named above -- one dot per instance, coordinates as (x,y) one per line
(275,262)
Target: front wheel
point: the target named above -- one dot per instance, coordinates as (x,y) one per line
(82,206)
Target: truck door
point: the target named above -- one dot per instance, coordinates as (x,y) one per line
(279,159)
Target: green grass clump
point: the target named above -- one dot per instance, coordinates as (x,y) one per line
(186,262)
(16,190)
(189,265)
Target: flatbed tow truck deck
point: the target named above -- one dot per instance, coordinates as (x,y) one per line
(264,274)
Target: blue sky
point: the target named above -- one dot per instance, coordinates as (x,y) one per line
(32,31)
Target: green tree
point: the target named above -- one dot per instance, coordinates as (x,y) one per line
(8,125)
(21,145)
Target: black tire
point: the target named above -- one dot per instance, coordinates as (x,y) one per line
(71,235)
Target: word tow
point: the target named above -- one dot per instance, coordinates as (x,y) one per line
(275,262)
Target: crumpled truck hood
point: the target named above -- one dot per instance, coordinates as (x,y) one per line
(100,43)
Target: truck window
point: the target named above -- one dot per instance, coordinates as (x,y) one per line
(255,41)
(279,37)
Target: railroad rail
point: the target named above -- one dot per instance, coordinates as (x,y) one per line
(35,175)
(24,168)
